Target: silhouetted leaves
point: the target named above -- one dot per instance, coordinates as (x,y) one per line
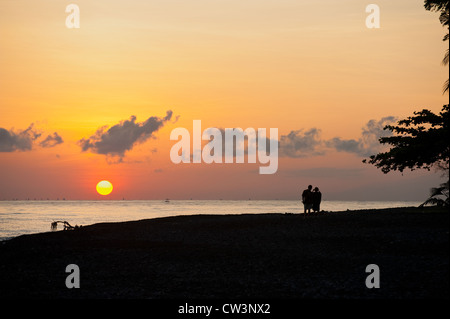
(438,196)
(420,141)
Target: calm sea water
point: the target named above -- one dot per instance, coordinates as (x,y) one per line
(26,217)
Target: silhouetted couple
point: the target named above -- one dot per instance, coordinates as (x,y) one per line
(311,199)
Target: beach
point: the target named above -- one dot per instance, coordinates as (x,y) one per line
(280,256)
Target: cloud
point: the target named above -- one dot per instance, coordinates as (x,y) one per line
(52,140)
(368,144)
(305,143)
(11,140)
(238,147)
(301,143)
(122,137)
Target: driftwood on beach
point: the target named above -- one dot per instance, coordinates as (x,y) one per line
(66,225)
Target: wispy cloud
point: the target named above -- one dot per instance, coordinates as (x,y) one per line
(52,140)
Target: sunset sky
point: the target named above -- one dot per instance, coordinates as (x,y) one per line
(142,68)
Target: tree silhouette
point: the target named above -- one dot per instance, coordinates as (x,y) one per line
(420,141)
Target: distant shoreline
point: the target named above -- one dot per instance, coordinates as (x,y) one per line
(238,256)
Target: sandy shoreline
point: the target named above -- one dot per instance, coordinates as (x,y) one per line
(238,256)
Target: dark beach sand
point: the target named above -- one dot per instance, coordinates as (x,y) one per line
(238,256)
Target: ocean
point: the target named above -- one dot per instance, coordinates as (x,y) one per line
(27,217)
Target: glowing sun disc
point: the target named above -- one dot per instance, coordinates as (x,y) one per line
(104,187)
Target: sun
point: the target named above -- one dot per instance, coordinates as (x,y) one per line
(104,187)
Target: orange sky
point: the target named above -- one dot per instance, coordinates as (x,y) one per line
(299,66)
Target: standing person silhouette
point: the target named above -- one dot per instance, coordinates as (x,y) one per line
(307,199)
(317,198)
